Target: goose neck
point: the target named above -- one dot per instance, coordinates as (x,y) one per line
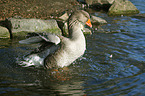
(75,29)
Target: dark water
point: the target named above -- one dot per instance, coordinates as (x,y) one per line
(113,64)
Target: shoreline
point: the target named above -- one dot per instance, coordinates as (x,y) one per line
(46,9)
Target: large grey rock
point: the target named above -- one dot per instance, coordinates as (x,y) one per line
(122,7)
(20,27)
(34,25)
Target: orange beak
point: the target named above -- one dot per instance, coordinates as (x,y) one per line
(89,23)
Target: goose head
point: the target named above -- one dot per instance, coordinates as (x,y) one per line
(79,16)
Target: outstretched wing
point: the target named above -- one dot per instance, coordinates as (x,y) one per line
(49,44)
(39,37)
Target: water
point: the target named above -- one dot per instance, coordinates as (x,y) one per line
(113,64)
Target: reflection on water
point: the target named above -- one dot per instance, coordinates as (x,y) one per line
(36,81)
(113,64)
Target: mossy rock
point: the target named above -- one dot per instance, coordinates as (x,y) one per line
(34,25)
(4,33)
(122,7)
(20,25)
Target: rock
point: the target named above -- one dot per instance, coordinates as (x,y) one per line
(142,15)
(103,1)
(97,20)
(34,25)
(65,29)
(64,17)
(122,7)
(89,2)
(17,25)
(97,4)
(4,33)
(62,23)
(87,31)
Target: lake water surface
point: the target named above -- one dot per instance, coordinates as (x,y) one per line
(113,64)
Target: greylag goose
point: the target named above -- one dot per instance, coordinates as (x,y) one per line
(63,51)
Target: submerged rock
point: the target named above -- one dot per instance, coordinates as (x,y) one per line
(98,20)
(142,15)
(122,7)
(87,31)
